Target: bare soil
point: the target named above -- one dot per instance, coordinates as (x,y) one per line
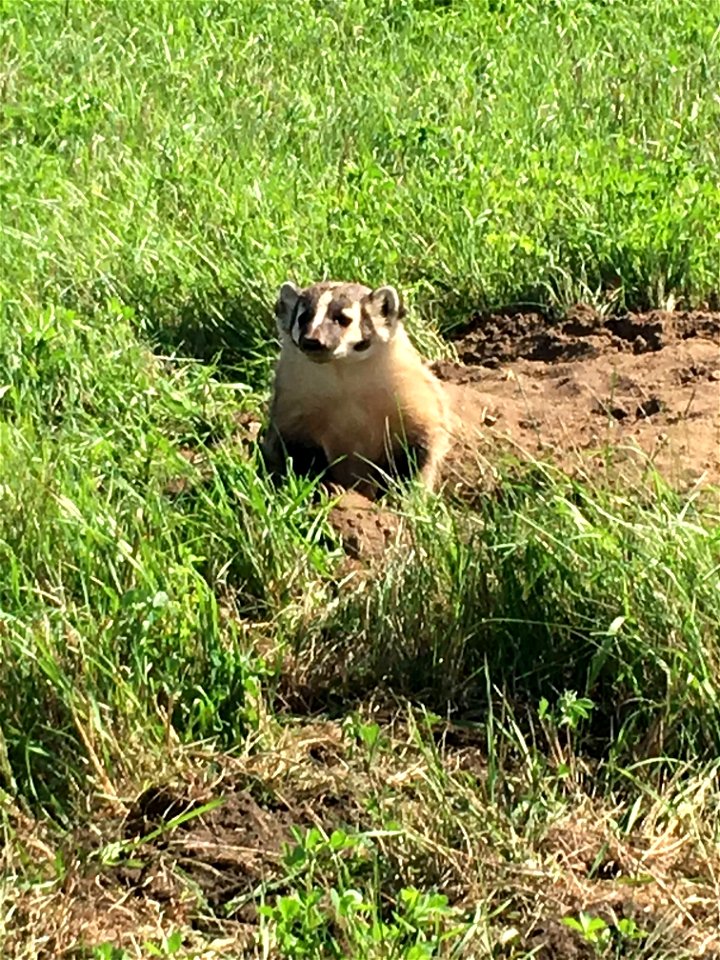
(591,393)
(605,397)
(227,852)
(365,528)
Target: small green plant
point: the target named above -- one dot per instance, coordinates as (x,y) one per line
(301,927)
(170,946)
(569,712)
(337,917)
(602,935)
(107,951)
(367,734)
(627,929)
(592,929)
(310,924)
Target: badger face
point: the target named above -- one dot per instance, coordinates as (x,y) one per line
(337,321)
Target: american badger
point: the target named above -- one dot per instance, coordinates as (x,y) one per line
(352,395)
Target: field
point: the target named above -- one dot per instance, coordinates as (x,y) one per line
(246,721)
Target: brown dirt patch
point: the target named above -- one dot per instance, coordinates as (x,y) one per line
(604,397)
(590,392)
(365,528)
(230,852)
(227,851)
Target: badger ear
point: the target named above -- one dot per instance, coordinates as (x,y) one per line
(285,306)
(385,307)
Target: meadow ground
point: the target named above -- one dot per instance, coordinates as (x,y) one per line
(226,728)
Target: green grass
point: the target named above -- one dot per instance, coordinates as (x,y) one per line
(163,168)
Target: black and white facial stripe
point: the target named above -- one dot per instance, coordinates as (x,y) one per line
(332,321)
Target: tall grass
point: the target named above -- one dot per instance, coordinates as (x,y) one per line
(187,159)
(548,586)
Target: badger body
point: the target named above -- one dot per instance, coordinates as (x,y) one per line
(352,396)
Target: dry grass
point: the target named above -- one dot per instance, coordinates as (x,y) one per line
(513,856)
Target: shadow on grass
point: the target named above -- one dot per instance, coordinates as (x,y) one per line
(233,330)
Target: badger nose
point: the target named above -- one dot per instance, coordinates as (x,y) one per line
(312,345)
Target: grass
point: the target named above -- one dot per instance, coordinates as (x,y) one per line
(168,618)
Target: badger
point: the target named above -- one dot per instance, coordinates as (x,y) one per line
(352,397)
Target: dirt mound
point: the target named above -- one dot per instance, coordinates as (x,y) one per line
(366,529)
(494,339)
(226,849)
(591,392)
(596,395)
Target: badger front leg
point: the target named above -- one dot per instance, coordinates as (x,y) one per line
(272,451)
(419,456)
(277,451)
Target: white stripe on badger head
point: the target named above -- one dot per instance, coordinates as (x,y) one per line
(351,336)
(321,310)
(354,333)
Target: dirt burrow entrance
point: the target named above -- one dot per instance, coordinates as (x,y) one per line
(603,397)
(591,392)
(599,396)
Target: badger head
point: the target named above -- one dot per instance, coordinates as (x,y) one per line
(337,321)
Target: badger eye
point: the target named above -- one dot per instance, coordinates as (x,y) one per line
(343,319)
